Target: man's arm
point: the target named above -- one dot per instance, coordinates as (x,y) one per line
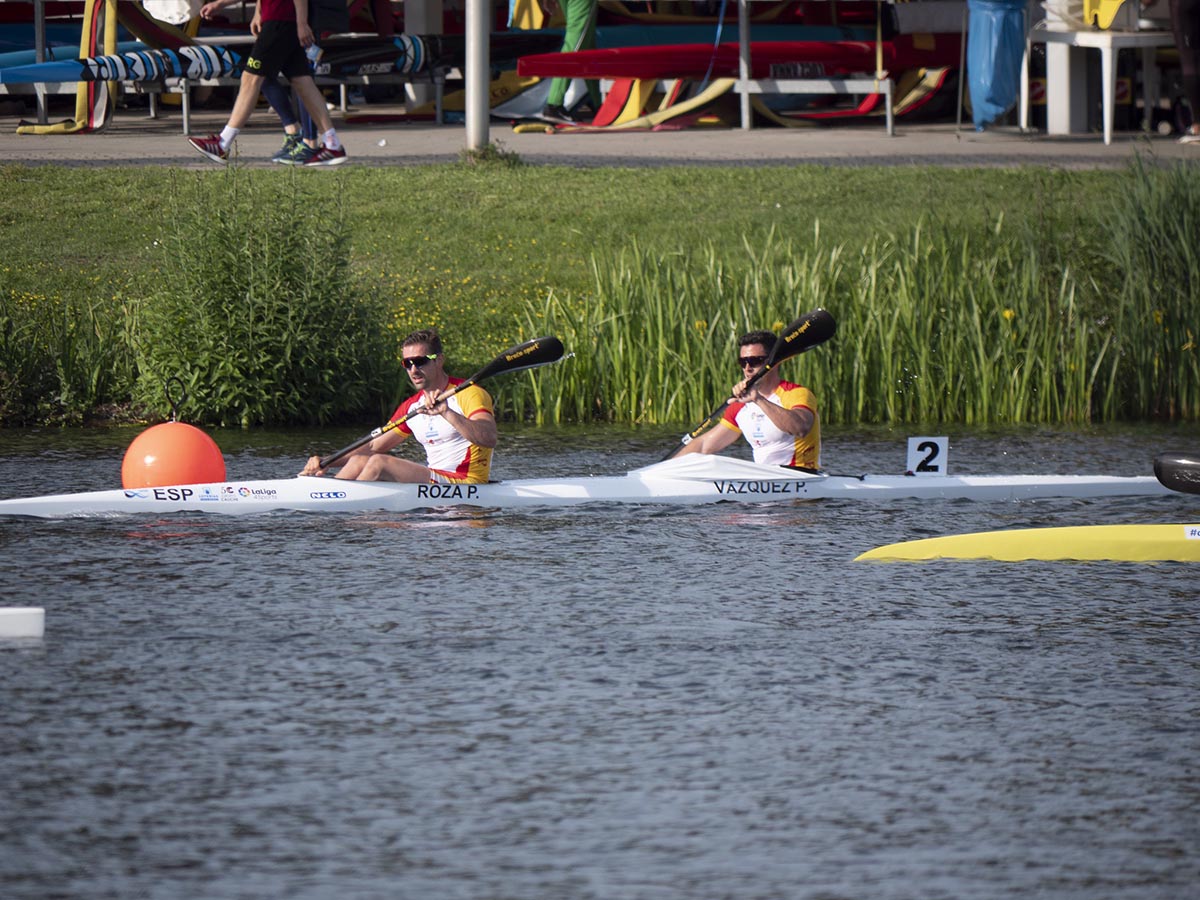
(208,10)
(381,444)
(480,428)
(303,30)
(714,440)
(797,420)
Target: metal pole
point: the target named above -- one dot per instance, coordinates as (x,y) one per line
(476,74)
(39,45)
(962,73)
(744,59)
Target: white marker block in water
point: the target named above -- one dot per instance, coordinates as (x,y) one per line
(22,622)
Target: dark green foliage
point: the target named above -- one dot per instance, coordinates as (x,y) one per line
(256,309)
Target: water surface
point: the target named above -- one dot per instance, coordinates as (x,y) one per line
(633,702)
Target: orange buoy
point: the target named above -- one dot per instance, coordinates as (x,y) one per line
(172,453)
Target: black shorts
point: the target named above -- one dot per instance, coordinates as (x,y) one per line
(277,51)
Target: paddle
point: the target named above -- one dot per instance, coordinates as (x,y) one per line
(806,332)
(1178,472)
(530,355)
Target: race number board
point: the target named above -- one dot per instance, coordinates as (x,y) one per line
(928,456)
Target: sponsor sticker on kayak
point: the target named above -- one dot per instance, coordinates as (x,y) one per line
(1191,532)
(257,493)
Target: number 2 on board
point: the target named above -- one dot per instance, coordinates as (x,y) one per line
(927,455)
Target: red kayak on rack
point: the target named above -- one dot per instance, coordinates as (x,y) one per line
(768,59)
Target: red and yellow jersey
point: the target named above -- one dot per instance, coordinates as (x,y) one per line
(448,453)
(773,447)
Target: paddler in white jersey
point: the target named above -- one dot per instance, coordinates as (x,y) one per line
(458,432)
(777,418)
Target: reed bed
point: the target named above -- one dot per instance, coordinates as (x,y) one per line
(934,326)
(656,340)
(62,359)
(1154,251)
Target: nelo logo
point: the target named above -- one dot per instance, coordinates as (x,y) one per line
(328,495)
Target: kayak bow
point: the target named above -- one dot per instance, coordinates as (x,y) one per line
(1122,543)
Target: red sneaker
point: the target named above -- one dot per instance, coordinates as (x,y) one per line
(211,147)
(327,157)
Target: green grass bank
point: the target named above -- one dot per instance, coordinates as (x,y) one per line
(277,297)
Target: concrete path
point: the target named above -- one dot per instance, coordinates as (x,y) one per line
(135,139)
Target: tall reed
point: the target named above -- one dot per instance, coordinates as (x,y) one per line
(944,326)
(1154,301)
(62,359)
(934,326)
(656,340)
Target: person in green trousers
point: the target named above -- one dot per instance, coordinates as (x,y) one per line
(580,34)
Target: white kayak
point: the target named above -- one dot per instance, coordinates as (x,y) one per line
(694,478)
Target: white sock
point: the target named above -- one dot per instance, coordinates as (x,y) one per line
(331,141)
(227,136)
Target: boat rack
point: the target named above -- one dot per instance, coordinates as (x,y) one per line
(879,83)
(864,84)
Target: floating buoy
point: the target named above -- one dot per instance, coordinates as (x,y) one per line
(172,453)
(22,622)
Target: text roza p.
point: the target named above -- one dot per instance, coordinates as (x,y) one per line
(448,491)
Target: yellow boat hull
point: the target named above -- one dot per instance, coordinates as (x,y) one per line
(1122,543)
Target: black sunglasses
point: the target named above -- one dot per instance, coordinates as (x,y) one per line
(418,362)
(744,361)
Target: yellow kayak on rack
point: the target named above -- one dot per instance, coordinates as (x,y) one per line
(1121,543)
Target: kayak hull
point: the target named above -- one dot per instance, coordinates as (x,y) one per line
(1122,543)
(688,480)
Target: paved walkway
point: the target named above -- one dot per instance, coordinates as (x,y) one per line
(135,139)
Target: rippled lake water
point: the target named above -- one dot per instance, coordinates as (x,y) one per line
(613,702)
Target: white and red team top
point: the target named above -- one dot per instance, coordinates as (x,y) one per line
(448,452)
(773,447)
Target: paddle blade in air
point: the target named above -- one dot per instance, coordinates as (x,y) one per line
(1179,472)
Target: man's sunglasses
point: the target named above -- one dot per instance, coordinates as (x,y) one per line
(743,361)
(418,362)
